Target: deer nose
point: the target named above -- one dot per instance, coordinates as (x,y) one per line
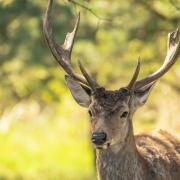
(99,138)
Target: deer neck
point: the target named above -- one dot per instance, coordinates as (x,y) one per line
(121,161)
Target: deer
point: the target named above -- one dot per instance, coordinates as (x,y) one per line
(120,155)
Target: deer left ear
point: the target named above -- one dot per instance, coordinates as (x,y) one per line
(141,95)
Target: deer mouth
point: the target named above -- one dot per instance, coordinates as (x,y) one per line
(103,146)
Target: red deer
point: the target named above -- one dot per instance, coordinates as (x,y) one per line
(120,154)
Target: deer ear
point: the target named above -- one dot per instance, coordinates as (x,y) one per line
(80,93)
(141,95)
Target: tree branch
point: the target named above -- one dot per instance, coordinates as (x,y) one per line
(88,9)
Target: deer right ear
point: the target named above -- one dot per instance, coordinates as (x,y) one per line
(80,93)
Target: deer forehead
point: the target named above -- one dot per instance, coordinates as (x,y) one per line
(104,100)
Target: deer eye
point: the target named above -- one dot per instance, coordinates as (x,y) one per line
(124,114)
(90,113)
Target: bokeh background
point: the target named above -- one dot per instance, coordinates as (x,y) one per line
(44,134)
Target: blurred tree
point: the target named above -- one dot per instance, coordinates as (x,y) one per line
(109,29)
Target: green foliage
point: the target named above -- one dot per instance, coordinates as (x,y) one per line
(43,133)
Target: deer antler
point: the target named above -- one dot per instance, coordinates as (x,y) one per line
(131,84)
(173,53)
(62,53)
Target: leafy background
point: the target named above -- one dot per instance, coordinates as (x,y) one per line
(44,134)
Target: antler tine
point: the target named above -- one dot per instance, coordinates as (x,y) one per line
(135,76)
(173,53)
(61,53)
(70,37)
(89,79)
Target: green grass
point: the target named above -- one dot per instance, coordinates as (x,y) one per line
(45,152)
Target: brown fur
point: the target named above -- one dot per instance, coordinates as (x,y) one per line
(142,157)
(161,151)
(125,156)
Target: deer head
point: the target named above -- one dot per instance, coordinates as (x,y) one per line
(110,111)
